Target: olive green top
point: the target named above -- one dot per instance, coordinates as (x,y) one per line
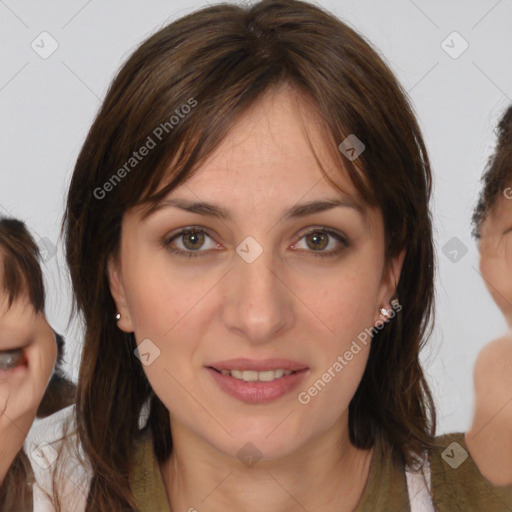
(457,485)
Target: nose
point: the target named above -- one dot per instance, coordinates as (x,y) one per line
(258,304)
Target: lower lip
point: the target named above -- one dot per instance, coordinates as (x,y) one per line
(258,392)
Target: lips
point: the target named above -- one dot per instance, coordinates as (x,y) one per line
(259,366)
(258,392)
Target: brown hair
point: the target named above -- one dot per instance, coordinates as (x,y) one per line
(21,271)
(223,58)
(21,274)
(498,172)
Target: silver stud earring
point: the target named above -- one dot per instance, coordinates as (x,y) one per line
(118,316)
(384,311)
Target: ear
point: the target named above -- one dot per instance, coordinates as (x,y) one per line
(390,278)
(118,294)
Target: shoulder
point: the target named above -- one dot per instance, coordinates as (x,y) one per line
(143,462)
(59,466)
(50,428)
(146,480)
(457,482)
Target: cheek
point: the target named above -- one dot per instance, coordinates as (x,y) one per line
(348,306)
(487,268)
(497,272)
(156,298)
(164,306)
(350,299)
(50,346)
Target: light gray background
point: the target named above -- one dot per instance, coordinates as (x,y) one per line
(47,106)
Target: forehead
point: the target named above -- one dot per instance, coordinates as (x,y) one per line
(21,307)
(274,153)
(21,312)
(17,323)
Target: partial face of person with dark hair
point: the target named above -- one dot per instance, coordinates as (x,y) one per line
(488,439)
(492,219)
(28,352)
(495,245)
(257,286)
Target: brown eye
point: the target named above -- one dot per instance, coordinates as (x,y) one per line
(195,239)
(318,240)
(9,359)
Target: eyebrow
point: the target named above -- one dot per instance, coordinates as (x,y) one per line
(295,212)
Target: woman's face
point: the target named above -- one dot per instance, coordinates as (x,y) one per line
(258,285)
(496,253)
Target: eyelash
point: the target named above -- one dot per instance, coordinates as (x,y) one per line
(166,242)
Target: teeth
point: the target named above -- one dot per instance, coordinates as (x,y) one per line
(253,376)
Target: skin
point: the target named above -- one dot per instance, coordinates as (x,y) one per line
(288,303)
(489,439)
(22,388)
(496,255)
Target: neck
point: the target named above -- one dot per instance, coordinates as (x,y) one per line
(198,475)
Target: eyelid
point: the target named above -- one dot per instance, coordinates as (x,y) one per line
(325,229)
(17,346)
(183,231)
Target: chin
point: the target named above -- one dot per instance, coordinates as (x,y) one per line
(257,446)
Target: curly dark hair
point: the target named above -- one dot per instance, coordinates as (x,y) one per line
(498,173)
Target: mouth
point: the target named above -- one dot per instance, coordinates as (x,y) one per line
(253,381)
(257,376)
(251,370)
